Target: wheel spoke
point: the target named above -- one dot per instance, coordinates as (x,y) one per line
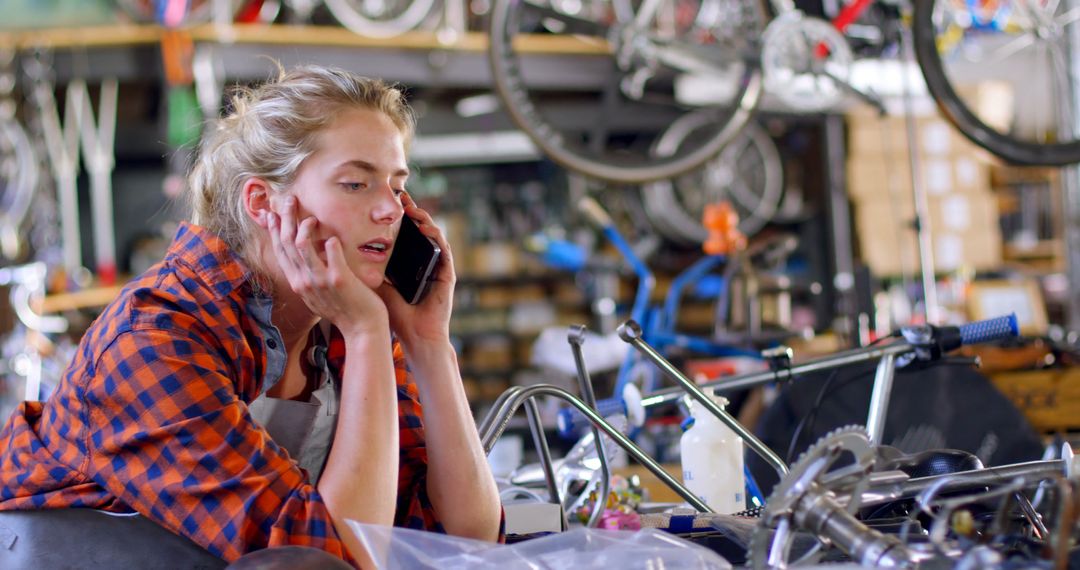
(690,57)
(1068,17)
(646,14)
(1008,50)
(1063,85)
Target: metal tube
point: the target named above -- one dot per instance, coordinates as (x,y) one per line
(630,332)
(1033,470)
(537,429)
(879,399)
(576,337)
(846,358)
(515,400)
(497,410)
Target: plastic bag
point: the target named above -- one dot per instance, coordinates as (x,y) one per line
(581,548)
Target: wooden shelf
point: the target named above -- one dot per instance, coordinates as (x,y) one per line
(129,35)
(87,298)
(120,35)
(248,52)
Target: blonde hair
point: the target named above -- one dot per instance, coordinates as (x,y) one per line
(269,132)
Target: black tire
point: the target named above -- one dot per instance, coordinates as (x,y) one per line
(754,186)
(622,166)
(957,111)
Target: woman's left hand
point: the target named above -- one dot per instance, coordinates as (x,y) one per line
(429,320)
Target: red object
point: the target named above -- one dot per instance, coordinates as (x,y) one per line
(722,223)
(845,18)
(107,273)
(708,370)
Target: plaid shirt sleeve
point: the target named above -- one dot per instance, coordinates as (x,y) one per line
(170,437)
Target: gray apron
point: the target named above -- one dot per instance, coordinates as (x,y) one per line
(304,429)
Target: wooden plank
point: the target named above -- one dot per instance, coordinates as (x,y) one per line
(1049,399)
(95,297)
(292,35)
(88,37)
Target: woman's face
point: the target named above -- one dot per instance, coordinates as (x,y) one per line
(352,184)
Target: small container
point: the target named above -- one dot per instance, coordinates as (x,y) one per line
(712,460)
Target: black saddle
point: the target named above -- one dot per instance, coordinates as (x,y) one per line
(926,463)
(87,538)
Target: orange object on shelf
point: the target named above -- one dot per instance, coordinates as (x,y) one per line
(722,223)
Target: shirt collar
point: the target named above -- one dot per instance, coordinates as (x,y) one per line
(209,257)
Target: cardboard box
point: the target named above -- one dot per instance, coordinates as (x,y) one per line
(876,177)
(952,212)
(1049,399)
(869,133)
(964,229)
(658,491)
(887,136)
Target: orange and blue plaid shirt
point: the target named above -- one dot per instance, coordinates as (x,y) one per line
(151,416)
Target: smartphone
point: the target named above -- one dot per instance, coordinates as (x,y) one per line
(412,262)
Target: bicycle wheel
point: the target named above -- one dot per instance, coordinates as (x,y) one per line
(1024,50)
(380,18)
(601,117)
(748,173)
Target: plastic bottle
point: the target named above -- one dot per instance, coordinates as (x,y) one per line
(712,460)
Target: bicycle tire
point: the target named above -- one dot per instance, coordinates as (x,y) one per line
(507,78)
(346,12)
(675,206)
(957,111)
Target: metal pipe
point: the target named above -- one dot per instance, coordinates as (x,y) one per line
(576,337)
(846,358)
(496,411)
(630,332)
(515,400)
(968,479)
(879,398)
(540,441)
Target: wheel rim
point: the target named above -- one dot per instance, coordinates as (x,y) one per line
(507,75)
(940,43)
(748,172)
(373,25)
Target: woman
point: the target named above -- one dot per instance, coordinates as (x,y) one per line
(169,407)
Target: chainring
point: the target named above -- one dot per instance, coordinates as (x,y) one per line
(814,472)
(806,61)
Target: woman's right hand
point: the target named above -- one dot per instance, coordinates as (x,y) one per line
(323,279)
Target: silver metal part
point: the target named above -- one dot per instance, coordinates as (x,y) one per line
(879,398)
(806,500)
(630,332)
(838,360)
(495,423)
(576,337)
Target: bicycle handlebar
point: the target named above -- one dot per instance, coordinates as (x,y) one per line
(571,422)
(989,330)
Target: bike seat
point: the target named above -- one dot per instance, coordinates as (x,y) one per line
(926,463)
(88,538)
